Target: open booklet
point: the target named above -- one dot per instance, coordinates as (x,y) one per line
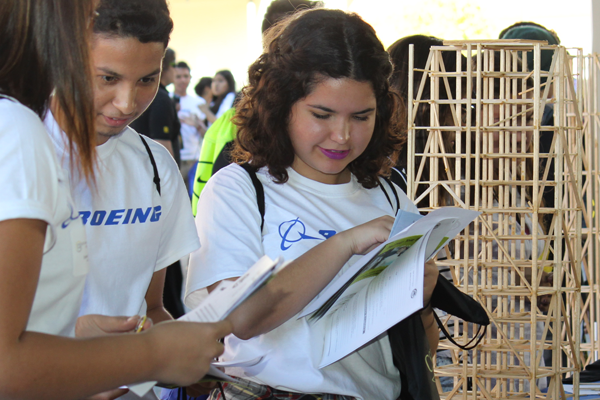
(221,302)
(384,286)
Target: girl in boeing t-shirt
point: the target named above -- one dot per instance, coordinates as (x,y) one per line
(44,50)
(319,123)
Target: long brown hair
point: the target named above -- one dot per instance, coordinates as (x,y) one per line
(44,51)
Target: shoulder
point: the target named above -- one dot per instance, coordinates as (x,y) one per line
(14,115)
(131,140)
(162,99)
(23,133)
(231,175)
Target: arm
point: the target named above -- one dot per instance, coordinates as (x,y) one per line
(154,298)
(167,144)
(210,116)
(61,368)
(298,283)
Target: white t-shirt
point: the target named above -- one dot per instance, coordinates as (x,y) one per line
(226,104)
(298,215)
(35,187)
(132,230)
(192,140)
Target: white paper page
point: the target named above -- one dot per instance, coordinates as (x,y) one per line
(221,302)
(238,363)
(459,219)
(141,389)
(403,220)
(228,295)
(388,298)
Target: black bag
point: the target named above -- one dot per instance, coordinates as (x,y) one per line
(448,298)
(412,357)
(410,348)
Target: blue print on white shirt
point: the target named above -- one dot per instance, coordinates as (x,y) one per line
(73,217)
(121,216)
(294,231)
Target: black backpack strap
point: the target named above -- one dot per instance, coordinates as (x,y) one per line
(394,191)
(260,192)
(399,178)
(156,176)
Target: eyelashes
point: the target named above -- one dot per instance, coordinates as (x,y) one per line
(326,116)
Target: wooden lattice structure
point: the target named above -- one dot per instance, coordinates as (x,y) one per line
(489,146)
(587,86)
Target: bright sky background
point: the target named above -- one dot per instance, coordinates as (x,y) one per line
(225,34)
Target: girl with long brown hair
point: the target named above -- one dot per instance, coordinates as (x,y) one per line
(43,59)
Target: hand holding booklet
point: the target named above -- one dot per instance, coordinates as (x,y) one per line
(384,286)
(221,302)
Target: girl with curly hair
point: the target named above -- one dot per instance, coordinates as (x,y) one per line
(320,125)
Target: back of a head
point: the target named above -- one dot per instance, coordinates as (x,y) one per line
(279,9)
(399,56)
(43,46)
(533,31)
(146,20)
(168,59)
(202,84)
(44,50)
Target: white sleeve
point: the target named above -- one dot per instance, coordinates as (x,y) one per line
(228,223)
(30,171)
(178,236)
(226,104)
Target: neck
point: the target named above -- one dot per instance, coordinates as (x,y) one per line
(180,93)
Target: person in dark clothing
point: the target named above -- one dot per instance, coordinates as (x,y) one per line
(159,121)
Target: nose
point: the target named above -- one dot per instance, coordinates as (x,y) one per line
(124,99)
(341,132)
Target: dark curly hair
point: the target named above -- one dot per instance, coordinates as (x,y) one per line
(146,20)
(300,51)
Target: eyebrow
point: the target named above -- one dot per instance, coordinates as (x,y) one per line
(329,110)
(117,75)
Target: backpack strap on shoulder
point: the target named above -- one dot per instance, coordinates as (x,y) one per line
(394,191)
(154,167)
(260,192)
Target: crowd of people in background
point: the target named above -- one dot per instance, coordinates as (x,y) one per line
(104,169)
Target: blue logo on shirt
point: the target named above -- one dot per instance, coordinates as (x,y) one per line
(72,217)
(121,216)
(294,231)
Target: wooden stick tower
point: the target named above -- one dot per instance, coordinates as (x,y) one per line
(588,85)
(507,142)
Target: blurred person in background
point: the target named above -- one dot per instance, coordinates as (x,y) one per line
(203,88)
(191,119)
(223,91)
(159,121)
(218,140)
